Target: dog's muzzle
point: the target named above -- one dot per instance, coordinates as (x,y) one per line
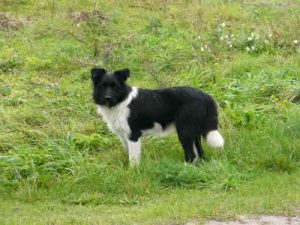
(108,100)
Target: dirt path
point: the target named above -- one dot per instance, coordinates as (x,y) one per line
(254,220)
(260,220)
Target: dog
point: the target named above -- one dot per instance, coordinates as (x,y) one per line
(132,112)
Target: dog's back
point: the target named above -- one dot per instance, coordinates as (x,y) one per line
(168,105)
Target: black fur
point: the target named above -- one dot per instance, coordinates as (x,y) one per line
(193,112)
(110,88)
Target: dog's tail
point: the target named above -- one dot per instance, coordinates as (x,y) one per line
(211,133)
(214,139)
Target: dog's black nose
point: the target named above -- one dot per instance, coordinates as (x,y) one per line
(107,97)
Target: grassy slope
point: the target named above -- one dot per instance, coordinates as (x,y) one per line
(57,157)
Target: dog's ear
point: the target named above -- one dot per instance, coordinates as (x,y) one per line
(122,75)
(97,74)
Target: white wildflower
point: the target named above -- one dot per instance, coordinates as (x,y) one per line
(78,25)
(295,42)
(270,35)
(206,47)
(223,24)
(202,49)
(253,48)
(247,49)
(251,37)
(226,36)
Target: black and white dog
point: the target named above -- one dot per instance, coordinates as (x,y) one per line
(132,112)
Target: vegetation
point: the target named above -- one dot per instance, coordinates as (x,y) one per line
(59,164)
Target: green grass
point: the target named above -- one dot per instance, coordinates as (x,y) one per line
(59,164)
(174,206)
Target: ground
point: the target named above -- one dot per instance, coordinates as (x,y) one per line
(263,219)
(59,164)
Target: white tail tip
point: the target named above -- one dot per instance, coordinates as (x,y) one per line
(214,139)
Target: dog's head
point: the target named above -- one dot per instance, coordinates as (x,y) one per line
(110,88)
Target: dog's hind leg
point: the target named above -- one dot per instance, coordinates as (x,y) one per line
(187,141)
(188,147)
(188,133)
(198,148)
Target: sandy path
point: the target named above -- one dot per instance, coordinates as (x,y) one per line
(260,220)
(254,220)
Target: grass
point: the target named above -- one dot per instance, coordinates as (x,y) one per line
(173,207)
(59,164)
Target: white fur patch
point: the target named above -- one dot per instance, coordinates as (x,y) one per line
(215,139)
(158,130)
(117,117)
(134,152)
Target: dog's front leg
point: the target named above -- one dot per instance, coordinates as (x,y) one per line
(124,142)
(134,152)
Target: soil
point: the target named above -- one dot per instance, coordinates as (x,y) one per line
(7,22)
(259,220)
(86,16)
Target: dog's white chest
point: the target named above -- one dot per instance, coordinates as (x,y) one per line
(116,118)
